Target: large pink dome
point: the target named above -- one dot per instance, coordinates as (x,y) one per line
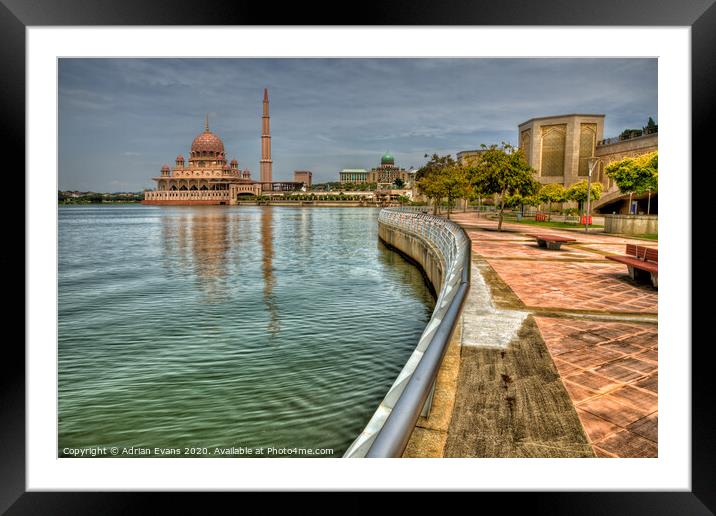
(207,142)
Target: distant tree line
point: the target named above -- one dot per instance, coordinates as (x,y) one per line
(68,197)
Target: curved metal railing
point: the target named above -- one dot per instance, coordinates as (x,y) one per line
(388,431)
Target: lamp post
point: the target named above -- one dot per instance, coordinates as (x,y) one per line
(592,163)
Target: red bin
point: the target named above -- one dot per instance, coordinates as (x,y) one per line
(584,219)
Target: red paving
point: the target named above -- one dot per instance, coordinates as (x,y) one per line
(576,286)
(610,372)
(609,368)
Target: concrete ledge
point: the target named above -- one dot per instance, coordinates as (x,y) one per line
(418,250)
(631,224)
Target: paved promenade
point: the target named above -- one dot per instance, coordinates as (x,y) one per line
(557,352)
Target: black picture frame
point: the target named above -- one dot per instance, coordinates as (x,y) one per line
(16,15)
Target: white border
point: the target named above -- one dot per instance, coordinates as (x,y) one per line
(671,471)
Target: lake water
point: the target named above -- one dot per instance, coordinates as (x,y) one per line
(217,329)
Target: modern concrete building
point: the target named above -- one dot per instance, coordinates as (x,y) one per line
(469,158)
(353,175)
(558,147)
(303,176)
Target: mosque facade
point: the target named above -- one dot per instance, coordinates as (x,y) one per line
(207,177)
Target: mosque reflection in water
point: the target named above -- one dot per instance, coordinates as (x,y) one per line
(218,248)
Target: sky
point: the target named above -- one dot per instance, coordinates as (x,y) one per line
(120,120)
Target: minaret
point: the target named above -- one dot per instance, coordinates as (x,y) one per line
(266,163)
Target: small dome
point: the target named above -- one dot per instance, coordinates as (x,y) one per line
(226,167)
(180,158)
(387,159)
(165,168)
(234,163)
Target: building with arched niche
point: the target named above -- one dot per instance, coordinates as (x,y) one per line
(559,147)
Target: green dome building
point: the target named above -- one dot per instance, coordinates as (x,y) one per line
(387,159)
(385,175)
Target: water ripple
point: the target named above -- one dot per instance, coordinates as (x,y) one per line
(221,326)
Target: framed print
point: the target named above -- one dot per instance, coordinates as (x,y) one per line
(253,264)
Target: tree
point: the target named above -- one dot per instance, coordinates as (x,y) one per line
(650,127)
(636,175)
(435,163)
(578,192)
(449,183)
(553,192)
(430,178)
(503,171)
(455,185)
(531,200)
(399,183)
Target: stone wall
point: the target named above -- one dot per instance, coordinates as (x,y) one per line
(187,202)
(631,224)
(418,250)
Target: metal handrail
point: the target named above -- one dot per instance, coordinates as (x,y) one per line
(389,430)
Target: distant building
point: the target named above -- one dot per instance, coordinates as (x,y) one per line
(469,158)
(353,175)
(384,175)
(303,176)
(388,172)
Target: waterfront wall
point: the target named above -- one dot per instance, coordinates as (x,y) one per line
(186,197)
(631,224)
(172,202)
(329,204)
(323,204)
(416,248)
(442,249)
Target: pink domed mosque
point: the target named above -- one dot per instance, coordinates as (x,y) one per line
(207,178)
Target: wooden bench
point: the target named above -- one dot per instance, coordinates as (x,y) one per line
(642,263)
(551,241)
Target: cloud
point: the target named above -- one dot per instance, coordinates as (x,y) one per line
(326,114)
